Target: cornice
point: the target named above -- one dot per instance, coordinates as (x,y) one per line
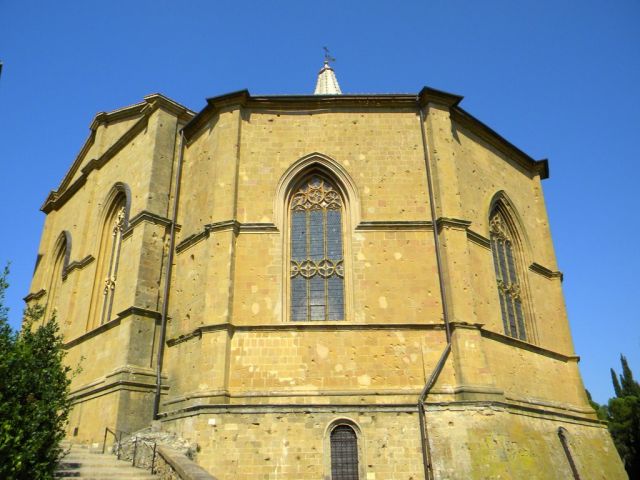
(56,199)
(545,272)
(468,121)
(400,101)
(144,109)
(431,95)
(214,104)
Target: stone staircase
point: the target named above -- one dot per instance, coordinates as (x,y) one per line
(81,462)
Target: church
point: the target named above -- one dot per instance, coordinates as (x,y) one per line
(325,286)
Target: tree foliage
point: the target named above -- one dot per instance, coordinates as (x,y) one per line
(34,387)
(624,418)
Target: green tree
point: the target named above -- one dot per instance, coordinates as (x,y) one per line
(34,387)
(601,410)
(624,418)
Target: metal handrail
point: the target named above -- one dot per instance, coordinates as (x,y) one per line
(152,446)
(117,436)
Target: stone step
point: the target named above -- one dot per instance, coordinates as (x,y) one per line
(80,461)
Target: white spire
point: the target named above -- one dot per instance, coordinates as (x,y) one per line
(327,83)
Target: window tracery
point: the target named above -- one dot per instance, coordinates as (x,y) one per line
(108,261)
(316,271)
(509,287)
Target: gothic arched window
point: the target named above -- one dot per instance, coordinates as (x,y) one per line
(108,260)
(344,453)
(503,247)
(316,269)
(60,261)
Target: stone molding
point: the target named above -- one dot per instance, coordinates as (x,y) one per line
(237,227)
(142,312)
(545,272)
(514,342)
(393,225)
(150,217)
(125,377)
(431,407)
(452,223)
(78,264)
(478,239)
(35,295)
(297,326)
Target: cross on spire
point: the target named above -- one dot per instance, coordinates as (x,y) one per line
(327,83)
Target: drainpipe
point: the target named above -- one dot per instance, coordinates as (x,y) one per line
(422,416)
(167,281)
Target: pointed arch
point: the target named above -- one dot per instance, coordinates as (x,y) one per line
(59,264)
(114,220)
(501,202)
(510,250)
(316,202)
(329,167)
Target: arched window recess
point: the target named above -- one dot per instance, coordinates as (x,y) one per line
(60,262)
(344,451)
(508,261)
(316,206)
(114,222)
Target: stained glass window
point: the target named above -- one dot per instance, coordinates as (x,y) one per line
(317,263)
(344,453)
(509,289)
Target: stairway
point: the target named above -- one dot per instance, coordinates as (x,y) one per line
(80,462)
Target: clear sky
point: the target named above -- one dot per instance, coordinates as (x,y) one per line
(559,79)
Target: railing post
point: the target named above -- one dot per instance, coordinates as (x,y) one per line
(153,459)
(135,449)
(104,441)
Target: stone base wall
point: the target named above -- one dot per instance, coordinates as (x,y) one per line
(127,409)
(295,445)
(467,441)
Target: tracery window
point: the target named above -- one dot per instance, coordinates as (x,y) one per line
(509,287)
(316,252)
(344,453)
(108,260)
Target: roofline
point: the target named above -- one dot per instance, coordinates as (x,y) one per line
(143,109)
(427,95)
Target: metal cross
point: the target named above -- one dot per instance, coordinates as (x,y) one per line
(327,56)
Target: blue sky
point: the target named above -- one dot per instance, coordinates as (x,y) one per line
(558,79)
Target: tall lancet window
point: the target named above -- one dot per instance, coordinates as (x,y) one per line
(317,262)
(108,260)
(61,257)
(509,287)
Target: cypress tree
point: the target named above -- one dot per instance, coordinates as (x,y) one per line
(624,418)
